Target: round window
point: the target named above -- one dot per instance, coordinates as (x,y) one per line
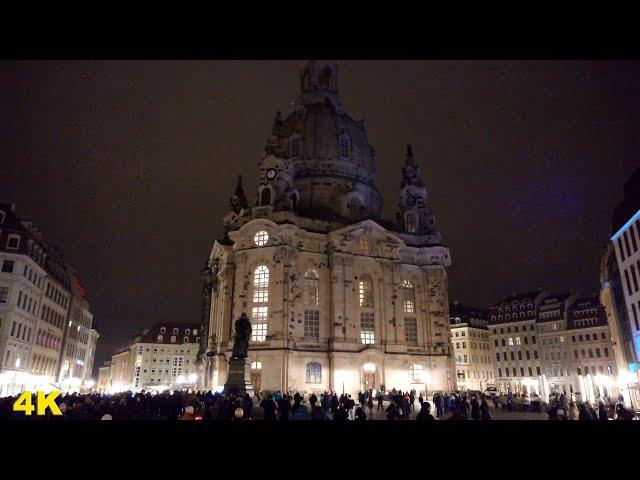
(261,238)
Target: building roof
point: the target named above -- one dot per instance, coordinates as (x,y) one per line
(151,335)
(519,297)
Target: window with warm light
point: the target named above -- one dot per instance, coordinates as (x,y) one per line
(408,297)
(261,284)
(314,372)
(261,238)
(415,373)
(365,291)
(256,365)
(259,324)
(367,328)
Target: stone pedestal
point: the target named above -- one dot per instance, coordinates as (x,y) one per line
(239,377)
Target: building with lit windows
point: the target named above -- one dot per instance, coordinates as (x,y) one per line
(338,297)
(625,242)
(35,305)
(104,377)
(553,342)
(594,367)
(160,358)
(472,347)
(512,326)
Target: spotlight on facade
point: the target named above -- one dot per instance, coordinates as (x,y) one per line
(192,378)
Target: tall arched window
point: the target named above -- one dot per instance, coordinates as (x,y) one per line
(311,288)
(259,313)
(345,146)
(365,291)
(261,284)
(325,77)
(314,372)
(408,297)
(265,197)
(412,223)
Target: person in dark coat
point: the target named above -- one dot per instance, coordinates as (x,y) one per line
(484,410)
(602,412)
(425,413)
(284,408)
(269,407)
(475,408)
(583,412)
(341,415)
(361,416)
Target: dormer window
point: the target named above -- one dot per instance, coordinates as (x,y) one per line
(412,223)
(13,242)
(295,147)
(160,338)
(187,331)
(175,331)
(195,331)
(345,146)
(163,330)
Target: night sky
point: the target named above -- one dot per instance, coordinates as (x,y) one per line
(129,166)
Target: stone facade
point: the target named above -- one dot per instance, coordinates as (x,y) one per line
(471,347)
(338,298)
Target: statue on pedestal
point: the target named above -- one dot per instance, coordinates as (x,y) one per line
(242,337)
(239,374)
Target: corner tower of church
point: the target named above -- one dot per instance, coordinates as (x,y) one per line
(338,298)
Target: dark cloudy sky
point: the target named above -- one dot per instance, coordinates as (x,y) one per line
(128,166)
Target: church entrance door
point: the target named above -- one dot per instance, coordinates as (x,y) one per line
(256,380)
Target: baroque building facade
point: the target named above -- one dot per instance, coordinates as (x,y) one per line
(338,298)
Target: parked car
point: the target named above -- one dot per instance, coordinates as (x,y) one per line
(491,392)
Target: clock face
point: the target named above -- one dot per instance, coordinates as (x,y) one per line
(271,173)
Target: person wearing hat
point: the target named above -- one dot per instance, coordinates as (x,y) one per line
(425,413)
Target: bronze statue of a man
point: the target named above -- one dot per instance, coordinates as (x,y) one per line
(242,336)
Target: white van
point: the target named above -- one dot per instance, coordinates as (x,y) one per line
(491,392)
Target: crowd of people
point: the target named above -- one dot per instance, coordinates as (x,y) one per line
(284,406)
(563,408)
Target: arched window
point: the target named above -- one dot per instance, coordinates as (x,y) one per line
(415,373)
(261,284)
(412,223)
(259,314)
(365,291)
(314,372)
(325,77)
(295,147)
(311,287)
(408,297)
(265,197)
(365,244)
(345,146)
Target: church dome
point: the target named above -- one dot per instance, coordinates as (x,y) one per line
(333,164)
(324,131)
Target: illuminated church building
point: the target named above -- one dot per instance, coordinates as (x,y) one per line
(338,298)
